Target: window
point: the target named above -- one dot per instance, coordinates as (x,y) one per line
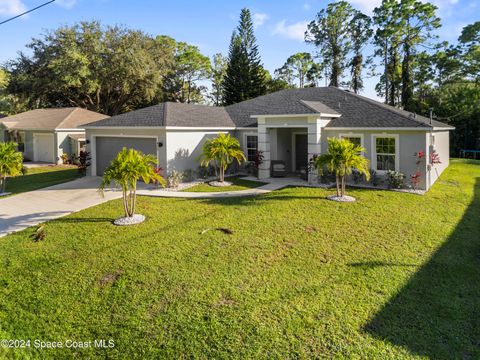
(385,153)
(252,146)
(20,140)
(356,139)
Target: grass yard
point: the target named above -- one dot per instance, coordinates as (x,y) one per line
(40,177)
(237,184)
(391,276)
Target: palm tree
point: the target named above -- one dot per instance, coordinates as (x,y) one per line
(341,158)
(125,170)
(11,163)
(222,151)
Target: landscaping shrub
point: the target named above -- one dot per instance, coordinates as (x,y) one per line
(326,176)
(65,159)
(206,172)
(189,175)
(395,179)
(83,162)
(375,180)
(357,176)
(174,179)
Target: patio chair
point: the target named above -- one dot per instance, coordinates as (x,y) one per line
(278,168)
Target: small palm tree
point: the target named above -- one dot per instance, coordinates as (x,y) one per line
(222,151)
(125,170)
(11,163)
(341,158)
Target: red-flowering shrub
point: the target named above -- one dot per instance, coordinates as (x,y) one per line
(434,158)
(415,179)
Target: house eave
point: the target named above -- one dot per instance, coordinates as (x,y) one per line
(378,128)
(297,115)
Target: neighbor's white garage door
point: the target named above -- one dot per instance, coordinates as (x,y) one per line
(43,147)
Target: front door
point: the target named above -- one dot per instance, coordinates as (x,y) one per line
(301,151)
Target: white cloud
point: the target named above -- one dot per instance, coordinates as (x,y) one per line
(307,6)
(295,31)
(11,7)
(366,5)
(66,3)
(259,19)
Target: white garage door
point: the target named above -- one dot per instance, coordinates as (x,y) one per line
(43,147)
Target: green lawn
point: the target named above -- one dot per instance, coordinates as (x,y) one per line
(391,276)
(237,184)
(40,177)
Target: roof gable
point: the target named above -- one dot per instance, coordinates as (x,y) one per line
(51,119)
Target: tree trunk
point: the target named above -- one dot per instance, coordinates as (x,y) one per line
(407,91)
(125,203)
(3,179)
(343,186)
(134,205)
(386,71)
(338,185)
(130,203)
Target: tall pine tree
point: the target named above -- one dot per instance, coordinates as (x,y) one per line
(245,77)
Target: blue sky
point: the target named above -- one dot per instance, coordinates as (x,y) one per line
(279,25)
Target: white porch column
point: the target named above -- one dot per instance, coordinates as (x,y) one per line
(314,142)
(264,147)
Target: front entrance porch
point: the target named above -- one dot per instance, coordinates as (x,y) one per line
(288,151)
(288,144)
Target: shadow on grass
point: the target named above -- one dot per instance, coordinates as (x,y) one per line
(83,220)
(284,194)
(374,264)
(437,313)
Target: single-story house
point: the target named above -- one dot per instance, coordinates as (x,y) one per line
(289,125)
(45,134)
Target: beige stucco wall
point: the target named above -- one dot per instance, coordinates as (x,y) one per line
(410,142)
(441,144)
(63,144)
(184,148)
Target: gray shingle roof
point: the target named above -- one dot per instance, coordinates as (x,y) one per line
(171,114)
(355,111)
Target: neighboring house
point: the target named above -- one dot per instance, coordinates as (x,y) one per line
(45,134)
(289,125)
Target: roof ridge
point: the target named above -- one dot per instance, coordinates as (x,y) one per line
(66,118)
(387,107)
(165,113)
(303,102)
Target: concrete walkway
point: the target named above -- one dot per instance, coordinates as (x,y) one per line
(21,211)
(271,185)
(210,195)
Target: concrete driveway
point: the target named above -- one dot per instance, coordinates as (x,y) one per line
(18,212)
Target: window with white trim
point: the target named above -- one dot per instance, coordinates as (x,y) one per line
(356,139)
(385,152)
(251,146)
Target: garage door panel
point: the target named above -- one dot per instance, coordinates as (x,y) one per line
(107,148)
(43,145)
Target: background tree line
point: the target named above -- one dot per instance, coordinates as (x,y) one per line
(114,69)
